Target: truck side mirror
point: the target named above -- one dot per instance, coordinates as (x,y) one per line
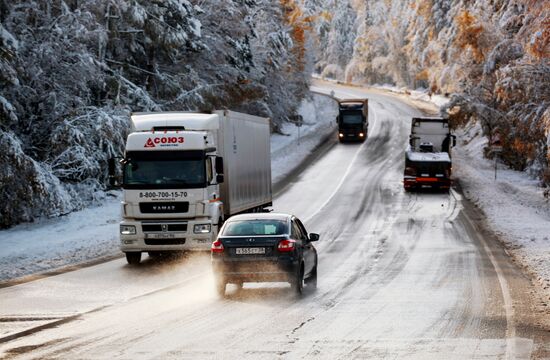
(219,178)
(114,180)
(219,166)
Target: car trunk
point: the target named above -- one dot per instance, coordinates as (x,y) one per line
(251,247)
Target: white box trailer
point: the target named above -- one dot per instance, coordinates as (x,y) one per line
(185,173)
(244,144)
(430,134)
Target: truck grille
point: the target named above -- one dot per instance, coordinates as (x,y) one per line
(168,227)
(164,207)
(164,241)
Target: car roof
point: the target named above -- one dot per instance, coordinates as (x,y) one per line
(261,216)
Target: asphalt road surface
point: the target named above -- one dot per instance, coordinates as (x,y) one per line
(401,276)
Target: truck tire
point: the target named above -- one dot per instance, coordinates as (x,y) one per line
(133,258)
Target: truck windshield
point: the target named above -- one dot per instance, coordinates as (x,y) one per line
(165,170)
(352,119)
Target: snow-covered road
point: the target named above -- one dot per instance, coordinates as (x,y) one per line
(408,276)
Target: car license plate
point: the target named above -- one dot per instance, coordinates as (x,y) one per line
(164,236)
(250,251)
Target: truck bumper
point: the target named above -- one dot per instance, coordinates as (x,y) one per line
(351,136)
(411,183)
(166,240)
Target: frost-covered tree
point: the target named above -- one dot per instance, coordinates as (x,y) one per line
(72,70)
(341,36)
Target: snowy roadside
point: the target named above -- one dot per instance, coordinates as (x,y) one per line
(92,234)
(288,150)
(514,204)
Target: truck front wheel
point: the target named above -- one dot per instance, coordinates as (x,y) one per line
(133,258)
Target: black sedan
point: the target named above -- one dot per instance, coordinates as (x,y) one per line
(264,248)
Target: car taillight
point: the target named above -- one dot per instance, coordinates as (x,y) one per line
(286,245)
(217,247)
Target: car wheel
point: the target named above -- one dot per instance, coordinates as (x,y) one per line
(220,287)
(298,282)
(311,281)
(133,258)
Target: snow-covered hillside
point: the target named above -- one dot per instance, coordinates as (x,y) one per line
(71,71)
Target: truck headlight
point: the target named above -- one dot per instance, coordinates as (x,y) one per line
(201,229)
(127,229)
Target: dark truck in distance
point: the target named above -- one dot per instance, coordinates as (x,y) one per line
(353,119)
(428,157)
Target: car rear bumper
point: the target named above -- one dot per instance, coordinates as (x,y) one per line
(241,270)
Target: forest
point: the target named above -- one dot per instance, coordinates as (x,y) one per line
(71,71)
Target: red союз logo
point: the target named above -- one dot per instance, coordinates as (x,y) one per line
(164,140)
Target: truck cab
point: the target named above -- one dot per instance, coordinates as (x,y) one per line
(171,179)
(427,170)
(352,120)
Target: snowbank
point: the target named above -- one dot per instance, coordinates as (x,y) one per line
(296,143)
(48,244)
(418,94)
(514,203)
(92,234)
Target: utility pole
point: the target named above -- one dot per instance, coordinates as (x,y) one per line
(496,149)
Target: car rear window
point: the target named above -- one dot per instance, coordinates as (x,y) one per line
(255,227)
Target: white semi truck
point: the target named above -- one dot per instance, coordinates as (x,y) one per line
(185,173)
(428,157)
